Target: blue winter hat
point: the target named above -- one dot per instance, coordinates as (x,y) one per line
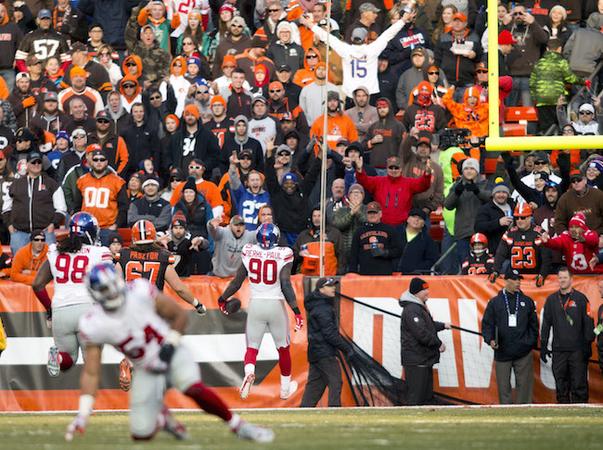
(289,176)
(596,164)
(193,60)
(62,135)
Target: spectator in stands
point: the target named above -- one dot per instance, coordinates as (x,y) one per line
(384,136)
(140,139)
(470,114)
(208,189)
(411,77)
(580,197)
(585,46)
(262,127)
(185,247)
(306,248)
(375,246)
(280,106)
(22,100)
(284,51)
(49,118)
(324,342)
(547,83)
(419,251)
(249,196)
(529,37)
(8,47)
(510,327)
(33,202)
(413,166)
(112,15)
(556,25)
(235,41)
(465,197)
(393,191)
(114,146)
(155,60)
(109,208)
(151,206)
(78,114)
(496,216)
(587,123)
(348,219)
(240,142)
(419,343)
(521,248)
(362,114)
(422,113)
(98,78)
(91,97)
(29,258)
(311,98)
(388,80)
(339,125)
(229,242)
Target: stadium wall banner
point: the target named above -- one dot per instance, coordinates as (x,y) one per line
(218,345)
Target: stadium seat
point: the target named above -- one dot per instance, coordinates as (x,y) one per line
(436,231)
(126,235)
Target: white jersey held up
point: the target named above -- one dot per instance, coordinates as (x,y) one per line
(68,271)
(135,329)
(264,269)
(360,62)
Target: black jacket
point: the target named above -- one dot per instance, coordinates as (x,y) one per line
(419,254)
(206,148)
(323,334)
(513,342)
(362,260)
(142,143)
(567,337)
(487,222)
(419,342)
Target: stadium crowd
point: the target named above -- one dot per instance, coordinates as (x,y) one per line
(208,117)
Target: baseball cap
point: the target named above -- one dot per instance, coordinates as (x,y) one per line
(359,34)
(424,137)
(24,134)
(576,174)
(417,51)
(78,132)
(289,176)
(50,95)
(103,115)
(237,220)
(373,207)
(326,281)
(44,14)
(283,148)
(368,7)
(151,180)
(460,16)
(284,68)
(34,156)
(418,213)
(513,274)
(245,152)
(258,98)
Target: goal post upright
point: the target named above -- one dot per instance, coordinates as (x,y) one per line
(494,142)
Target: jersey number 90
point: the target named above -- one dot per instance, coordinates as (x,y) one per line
(262,271)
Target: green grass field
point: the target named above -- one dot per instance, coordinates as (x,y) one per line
(491,429)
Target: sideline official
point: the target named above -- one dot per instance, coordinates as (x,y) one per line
(567,311)
(324,341)
(510,327)
(420,345)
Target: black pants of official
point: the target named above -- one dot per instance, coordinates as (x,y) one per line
(570,371)
(419,385)
(322,374)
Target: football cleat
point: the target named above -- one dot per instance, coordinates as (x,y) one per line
(172,426)
(246,386)
(54,365)
(252,432)
(287,391)
(125,375)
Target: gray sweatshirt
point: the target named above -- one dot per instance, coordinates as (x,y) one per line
(227,250)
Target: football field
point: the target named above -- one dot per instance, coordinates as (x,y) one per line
(344,429)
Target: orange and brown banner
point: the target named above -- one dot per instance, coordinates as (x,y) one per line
(218,345)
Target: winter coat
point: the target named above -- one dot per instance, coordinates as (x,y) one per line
(366,237)
(487,222)
(206,148)
(548,80)
(400,47)
(324,339)
(391,129)
(474,118)
(112,15)
(466,204)
(513,342)
(459,70)
(290,54)
(347,223)
(419,254)
(419,342)
(530,39)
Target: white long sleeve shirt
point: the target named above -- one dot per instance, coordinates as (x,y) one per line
(360,62)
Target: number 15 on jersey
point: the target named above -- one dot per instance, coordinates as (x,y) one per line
(358,68)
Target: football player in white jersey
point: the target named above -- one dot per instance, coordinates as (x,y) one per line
(147,326)
(68,262)
(268,267)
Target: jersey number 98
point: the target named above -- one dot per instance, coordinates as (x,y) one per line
(70,268)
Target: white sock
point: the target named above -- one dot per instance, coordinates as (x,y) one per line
(234,421)
(249,368)
(285,381)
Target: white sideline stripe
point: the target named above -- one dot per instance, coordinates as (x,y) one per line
(308,410)
(206,348)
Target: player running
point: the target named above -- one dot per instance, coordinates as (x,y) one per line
(68,262)
(146,259)
(147,326)
(269,269)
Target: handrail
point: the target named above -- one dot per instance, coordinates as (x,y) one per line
(581,90)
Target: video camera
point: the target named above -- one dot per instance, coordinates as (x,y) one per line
(454,137)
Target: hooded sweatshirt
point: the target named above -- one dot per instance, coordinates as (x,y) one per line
(262,128)
(128,100)
(422,113)
(304,76)
(180,84)
(391,129)
(474,118)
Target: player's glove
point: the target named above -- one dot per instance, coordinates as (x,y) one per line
(200,308)
(545,354)
(539,280)
(77,425)
(299,320)
(492,277)
(169,346)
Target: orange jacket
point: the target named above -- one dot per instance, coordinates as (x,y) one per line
(207,188)
(100,196)
(223,189)
(473,118)
(25,260)
(3,90)
(338,126)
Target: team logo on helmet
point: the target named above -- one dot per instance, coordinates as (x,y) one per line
(267,235)
(143,232)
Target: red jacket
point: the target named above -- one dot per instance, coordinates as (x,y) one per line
(394,194)
(577,254)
